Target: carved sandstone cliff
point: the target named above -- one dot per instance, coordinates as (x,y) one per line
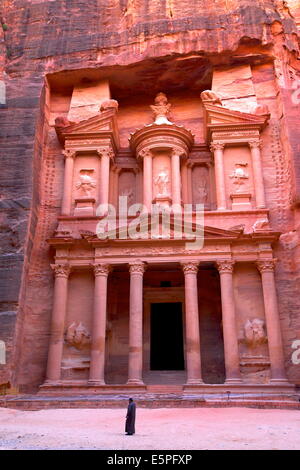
(46,42)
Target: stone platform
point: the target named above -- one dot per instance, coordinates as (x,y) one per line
(155,398)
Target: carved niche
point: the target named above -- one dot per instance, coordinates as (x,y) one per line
(127,186)
(201,185)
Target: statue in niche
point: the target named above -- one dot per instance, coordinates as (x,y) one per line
(77,336)
(161,109)
(162,182)
(86,183)
(254,332)
(239,175)
(129,193)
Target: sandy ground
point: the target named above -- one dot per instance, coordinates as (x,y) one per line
(166,428)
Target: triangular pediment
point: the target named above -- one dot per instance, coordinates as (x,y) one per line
(146,232)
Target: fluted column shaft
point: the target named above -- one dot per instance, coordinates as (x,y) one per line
(97,361)
(218,148)
(135,359)
(68,181)
(193,354)
(231,347)
(58,322)
(266,268)
(257,174)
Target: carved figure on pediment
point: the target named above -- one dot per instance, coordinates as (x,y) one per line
(240,228)
(86,183)
(161,181)
(239,175)
(62,121)
(109,104)
(260,224)
(77,336)
(161,109)
(209,96)
(254,332)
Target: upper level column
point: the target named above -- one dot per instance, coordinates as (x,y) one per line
(106,154)
(218,148)
(257,173)
(176,177)
(266,268)
(68,179)
(146,155)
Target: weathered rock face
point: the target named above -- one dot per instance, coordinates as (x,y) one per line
(46,47)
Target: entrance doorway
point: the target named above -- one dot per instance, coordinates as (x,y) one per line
(166,336)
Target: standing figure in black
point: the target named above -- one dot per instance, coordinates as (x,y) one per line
(130,418)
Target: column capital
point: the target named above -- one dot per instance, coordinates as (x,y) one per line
(190,267)
(225,266)
(144,153)
(61,270)
(255,143)
(69,153)
(137,267)
(176,152)
(217,146)
(267,265)
(102,269)
(105,152)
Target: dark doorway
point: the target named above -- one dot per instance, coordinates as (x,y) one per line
(166,337)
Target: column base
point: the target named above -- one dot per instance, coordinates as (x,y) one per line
(95,383)
(194,382)
(233,381)
(134,382)
(52,383)
(279,382)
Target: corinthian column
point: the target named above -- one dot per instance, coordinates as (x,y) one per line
(55,353)
(146,155)
(257,173)
(218,148)
(97,361)
(193,355)
(68,180)
(231,348)
(266,268)
(135,359)
(105,154)
(176,177)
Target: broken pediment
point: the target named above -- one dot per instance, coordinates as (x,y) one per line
(104,124)
(219,118)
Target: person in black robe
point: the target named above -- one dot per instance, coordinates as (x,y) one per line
(130,418)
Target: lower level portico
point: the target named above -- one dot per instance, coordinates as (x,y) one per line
(167,317)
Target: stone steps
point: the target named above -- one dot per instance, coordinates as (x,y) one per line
(145,400)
